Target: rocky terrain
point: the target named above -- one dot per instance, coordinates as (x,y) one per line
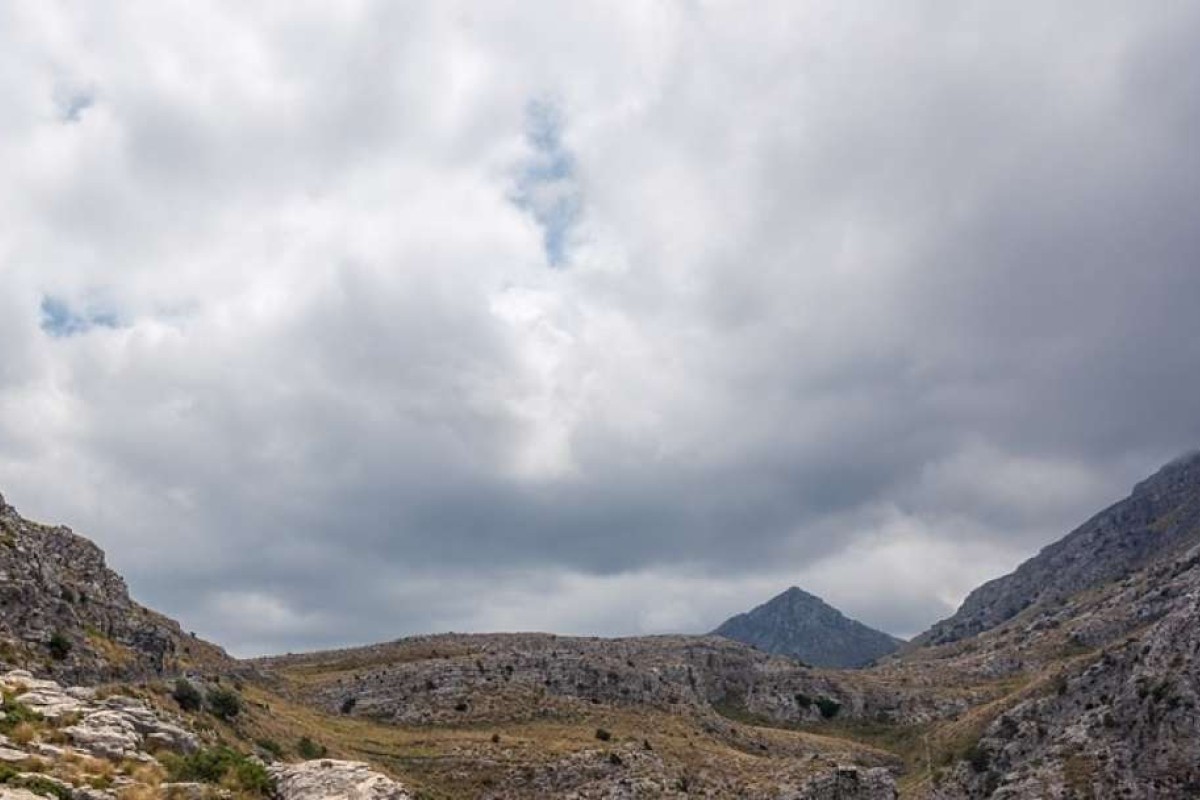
(63,610)
(1075,677)
(803,626)
(78,743)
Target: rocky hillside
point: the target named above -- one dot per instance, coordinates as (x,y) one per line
(1159,518)
(63,612)
(511,678)
(803,626)
(78,743)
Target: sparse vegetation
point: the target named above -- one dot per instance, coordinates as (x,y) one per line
(220,765)
(16,714)
(309,749)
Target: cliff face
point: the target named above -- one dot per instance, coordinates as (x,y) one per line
(64,612)
(1160,517)
(1117,719)
(798,624)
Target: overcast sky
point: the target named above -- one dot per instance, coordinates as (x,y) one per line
(335,322)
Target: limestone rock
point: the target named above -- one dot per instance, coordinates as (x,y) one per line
(50,702)
(327,779)
(7,793)
(106,733)
(11,756)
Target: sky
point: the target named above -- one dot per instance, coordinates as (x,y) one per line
(337,322)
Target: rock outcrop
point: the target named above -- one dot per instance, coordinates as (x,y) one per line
(328,779)
(115,727)
(803,626)
(64,612)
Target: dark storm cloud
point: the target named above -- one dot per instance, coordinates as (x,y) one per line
(873,302)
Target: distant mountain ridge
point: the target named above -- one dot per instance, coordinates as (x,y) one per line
(1159,518)
(801,625)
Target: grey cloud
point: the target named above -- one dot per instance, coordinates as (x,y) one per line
(873,302)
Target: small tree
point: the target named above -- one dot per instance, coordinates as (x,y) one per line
(187,695)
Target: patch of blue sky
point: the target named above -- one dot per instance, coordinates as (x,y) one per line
(546,185)
(60,320)
(72,103)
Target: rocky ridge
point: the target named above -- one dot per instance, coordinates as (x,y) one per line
(1161,516)
(65,613)
(798,624)
(473,678)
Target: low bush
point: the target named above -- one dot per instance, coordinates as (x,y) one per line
(189,697)
(221,765)
(309,749)
(224,703)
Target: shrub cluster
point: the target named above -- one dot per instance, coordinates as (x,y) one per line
(220,765)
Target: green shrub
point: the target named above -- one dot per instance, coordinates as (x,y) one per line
(309,749)
(187,695)
(603,735)
(59,646)
(219,765)
(16,713)
(224,703)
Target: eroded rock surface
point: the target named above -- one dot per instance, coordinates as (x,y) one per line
(329,779)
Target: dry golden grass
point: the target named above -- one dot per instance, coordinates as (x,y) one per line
(138,793)
(442,762)
(23,733)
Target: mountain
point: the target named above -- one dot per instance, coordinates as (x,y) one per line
(1077,676)
(1161,516)
(63,612)
(798,624)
